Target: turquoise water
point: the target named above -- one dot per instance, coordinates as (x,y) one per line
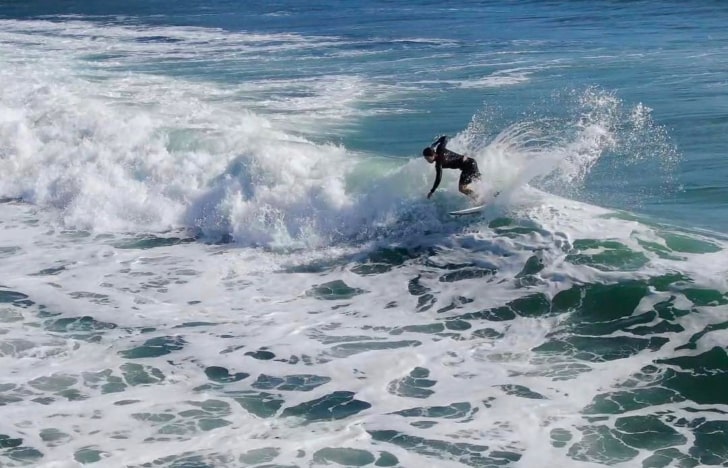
(216,248)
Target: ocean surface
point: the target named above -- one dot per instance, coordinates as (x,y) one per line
(216,248)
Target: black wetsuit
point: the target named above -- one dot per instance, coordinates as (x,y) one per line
(444,158)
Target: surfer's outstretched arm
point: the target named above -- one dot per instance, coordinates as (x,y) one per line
(434,154)
(438,178)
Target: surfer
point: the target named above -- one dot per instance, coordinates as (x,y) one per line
(444,158)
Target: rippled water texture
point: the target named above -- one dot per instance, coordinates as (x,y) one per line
(216,249)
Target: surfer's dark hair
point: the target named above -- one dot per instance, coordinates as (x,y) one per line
(428,151)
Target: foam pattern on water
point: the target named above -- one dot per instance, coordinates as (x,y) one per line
(507,341)
(196,272)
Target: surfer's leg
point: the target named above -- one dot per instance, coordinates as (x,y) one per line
(468,174)
(464,189)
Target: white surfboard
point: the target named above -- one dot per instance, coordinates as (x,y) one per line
(474,209)
(467,211)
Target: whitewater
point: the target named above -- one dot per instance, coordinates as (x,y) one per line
(216,248)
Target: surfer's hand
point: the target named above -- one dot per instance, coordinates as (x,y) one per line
(429,195)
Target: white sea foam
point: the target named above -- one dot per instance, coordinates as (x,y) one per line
(143,150)
(498,79)
(155,153)
(238,293)
(113,340)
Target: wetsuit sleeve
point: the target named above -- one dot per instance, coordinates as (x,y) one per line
(439,145)
(438,176)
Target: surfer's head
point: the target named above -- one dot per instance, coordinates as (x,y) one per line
(429,154)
